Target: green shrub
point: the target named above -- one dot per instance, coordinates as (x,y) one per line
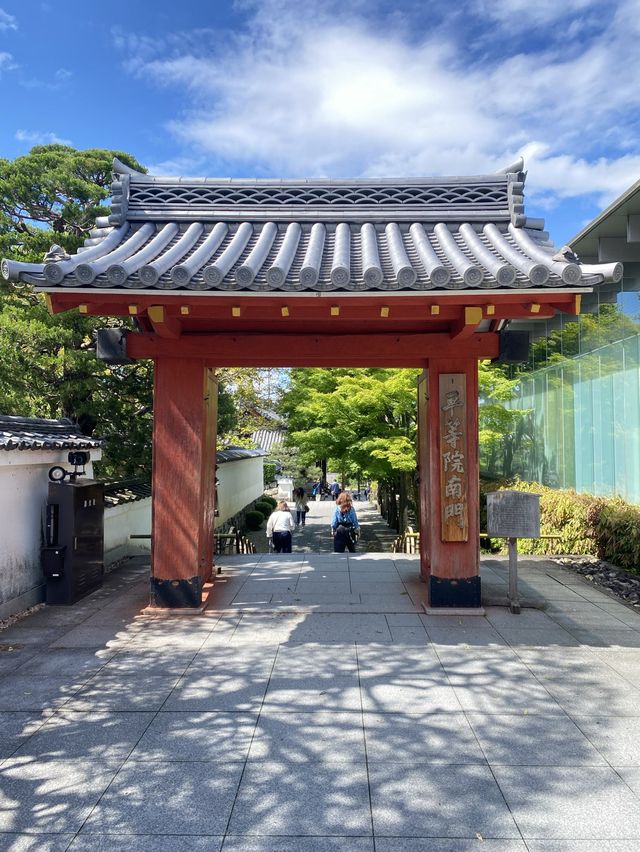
(608,528)
(263,507)
(269,472)
(266,498)
(253,520)
(618,534)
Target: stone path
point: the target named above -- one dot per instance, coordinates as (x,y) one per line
(316,707)
(315,536)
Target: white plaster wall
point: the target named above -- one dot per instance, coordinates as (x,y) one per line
(239,483)
(123,521)
(24,486)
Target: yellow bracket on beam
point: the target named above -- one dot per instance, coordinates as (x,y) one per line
(335,311)
(155,312)
(472,316)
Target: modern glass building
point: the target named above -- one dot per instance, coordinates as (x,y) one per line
(580,392)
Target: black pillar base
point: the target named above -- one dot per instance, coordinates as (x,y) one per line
(176,594)
(444,592)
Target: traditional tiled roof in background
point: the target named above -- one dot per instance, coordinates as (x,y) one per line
(308,236)
(265,439)
(126,491)
(228,454)
(36,433)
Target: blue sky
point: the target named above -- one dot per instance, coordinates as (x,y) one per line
(350,88)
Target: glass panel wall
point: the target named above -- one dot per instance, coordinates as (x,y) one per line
(579,399)
(581,422)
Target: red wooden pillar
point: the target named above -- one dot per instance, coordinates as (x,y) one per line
(184,446)
(449,482)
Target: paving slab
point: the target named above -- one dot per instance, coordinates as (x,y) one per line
(438,801)
(202,691)
(211,736)
(94,735)
(167,798)
(296,694)
(617,738)
(298,844)
(456,844)
(570,802)
(16,726)
(410,739)
(43,796)
(532,740)
(145,843)
(302,799)
(322,736)
(14,842)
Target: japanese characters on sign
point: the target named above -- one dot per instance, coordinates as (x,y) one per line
(453,461)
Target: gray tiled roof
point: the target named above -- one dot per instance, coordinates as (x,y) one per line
(126,491)
(268,438)
(228,454)
(221,235)
(36,433)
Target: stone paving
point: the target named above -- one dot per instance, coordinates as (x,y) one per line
(315,706)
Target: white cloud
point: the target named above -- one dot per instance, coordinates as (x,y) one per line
(331,94)
(181,166)
(6,62)
(39,137)
(7,21)
(523,14)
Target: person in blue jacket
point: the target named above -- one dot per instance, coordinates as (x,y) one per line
(344,525)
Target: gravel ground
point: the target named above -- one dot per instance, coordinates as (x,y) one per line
(622,584)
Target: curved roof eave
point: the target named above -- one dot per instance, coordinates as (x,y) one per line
(360,236)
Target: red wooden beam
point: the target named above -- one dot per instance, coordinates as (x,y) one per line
(163,324)
(326,350)
(505,305)
(466,325)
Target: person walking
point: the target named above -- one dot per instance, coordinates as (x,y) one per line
(344,525)
(335,490)
(301,506)
(279,528)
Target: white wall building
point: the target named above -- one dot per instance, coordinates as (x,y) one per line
(29,447)
(240,475)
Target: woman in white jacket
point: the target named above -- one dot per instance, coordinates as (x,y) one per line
(279,528)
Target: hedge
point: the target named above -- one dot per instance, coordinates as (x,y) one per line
(607,528)
(253,520)
(263,507)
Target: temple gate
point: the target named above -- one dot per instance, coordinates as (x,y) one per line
(331,273)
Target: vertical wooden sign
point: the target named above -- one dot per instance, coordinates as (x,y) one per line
(453,457)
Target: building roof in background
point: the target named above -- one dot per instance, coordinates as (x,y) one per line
(615,231)
(265,439)
(228,454)
(308,236)
(36,433)
(126,491)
